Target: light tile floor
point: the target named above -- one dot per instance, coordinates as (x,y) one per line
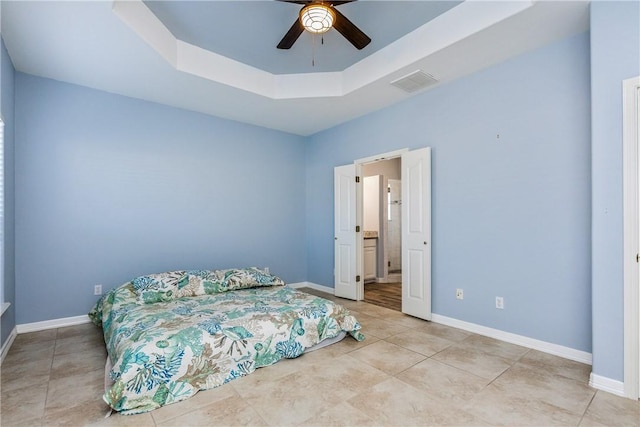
(407,372)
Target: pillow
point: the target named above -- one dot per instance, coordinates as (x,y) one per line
(159,287)
(178,284)
(239,278)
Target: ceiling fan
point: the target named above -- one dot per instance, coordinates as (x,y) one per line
(319,17)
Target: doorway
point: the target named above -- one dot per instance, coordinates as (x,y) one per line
(416,230)
(382,225)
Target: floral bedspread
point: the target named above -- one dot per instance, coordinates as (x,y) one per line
(166,351)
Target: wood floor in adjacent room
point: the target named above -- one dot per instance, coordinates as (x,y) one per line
(388,295)
(407,372)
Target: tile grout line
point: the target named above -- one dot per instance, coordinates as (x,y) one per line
(505,371)
(46,396)
(587,408)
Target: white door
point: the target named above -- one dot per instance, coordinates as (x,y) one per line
(344,181)
(416,233)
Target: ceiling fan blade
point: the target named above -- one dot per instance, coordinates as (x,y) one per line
(292,35)
(350,32)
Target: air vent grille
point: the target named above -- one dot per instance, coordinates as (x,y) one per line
(414,81)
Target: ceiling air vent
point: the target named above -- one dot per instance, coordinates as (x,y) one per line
(414,81)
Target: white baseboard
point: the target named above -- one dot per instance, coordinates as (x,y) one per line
(7,345)
(311,285)
(607,384)
(52,324)
(546,347)
(596,381)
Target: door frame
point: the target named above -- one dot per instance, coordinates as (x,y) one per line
(360,207)
(631,234)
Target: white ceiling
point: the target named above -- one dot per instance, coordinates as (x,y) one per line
(236,72)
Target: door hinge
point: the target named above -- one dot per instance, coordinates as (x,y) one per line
(357,179)
(357,278)
(637,257)
(357,228)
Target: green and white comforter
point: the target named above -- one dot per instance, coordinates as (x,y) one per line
(170,335)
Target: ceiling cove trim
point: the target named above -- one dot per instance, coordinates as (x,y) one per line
(460,22)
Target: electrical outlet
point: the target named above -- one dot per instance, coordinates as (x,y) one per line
(97,290)
(266,270)
(459,294)
(499,303)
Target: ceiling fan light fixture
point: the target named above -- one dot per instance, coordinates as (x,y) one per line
(317,18)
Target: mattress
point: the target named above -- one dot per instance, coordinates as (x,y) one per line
(169,337)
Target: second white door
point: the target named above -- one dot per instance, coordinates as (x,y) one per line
(416,233)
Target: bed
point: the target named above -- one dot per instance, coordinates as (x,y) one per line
(173,334)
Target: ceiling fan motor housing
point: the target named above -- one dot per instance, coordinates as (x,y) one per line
(317,18)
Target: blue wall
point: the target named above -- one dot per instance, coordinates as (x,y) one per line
(7,95)
(615,56)
(511,215)
(109,188)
